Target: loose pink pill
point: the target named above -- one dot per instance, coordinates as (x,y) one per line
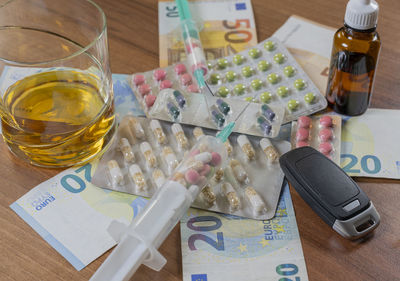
(192,176)
(186,79)
(180,68)
(301,144)
(193,88)
(325,148)
(304,122)
(159,74)
(302,134)
(138,79)
(325,121)
(150,99)
(165,84)
(215,158)
(144,89)
(325,135)
(206,169)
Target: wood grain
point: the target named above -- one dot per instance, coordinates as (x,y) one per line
(133,33)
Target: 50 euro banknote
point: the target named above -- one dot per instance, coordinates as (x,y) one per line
(226,27)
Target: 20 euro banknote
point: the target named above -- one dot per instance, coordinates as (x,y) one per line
(226,27)
(369,147)
(222,247)
(69,212)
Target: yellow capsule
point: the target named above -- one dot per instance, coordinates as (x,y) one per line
(269,150)
(126,150)
(148,154)
(115,173)
(219,174)
(208,195)
(238,171)
(255,200)
(246,146)
(228,146)
(136,127)
(170,158)
(231,196)
(158,178)
(181,139)
(198,133)
(158,132)
(138,177)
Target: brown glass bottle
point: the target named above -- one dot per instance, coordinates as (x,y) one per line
(352,70)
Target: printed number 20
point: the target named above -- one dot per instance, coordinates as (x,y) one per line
(219,244)
(70,178)
(364,164)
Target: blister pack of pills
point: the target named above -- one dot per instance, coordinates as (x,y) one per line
(192,109)
(171,94)
(268,74)
(320,132)
(146,152)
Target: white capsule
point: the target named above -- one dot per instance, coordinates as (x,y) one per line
(170,158)
(204,157)
(208,195)
(126,150)
(181,139)
(158,177)
(231,196)
(136,127)
(138,177)
(158,132)
(238,171)
(255,200)
(198,133)
(148,154)
(115,173)
(269,150)
(246,146)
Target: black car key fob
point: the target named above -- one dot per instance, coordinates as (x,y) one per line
(330,192)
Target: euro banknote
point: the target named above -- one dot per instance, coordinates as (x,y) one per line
(69,212)
(72,215)
(222,247)
(310,43)
(226,27)
(368,149)
(370,145)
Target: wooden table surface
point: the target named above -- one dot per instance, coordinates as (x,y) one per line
(133,37)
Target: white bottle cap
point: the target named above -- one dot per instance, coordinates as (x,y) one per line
(361,14)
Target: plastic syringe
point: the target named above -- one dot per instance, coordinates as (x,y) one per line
(191,38)
(138,242)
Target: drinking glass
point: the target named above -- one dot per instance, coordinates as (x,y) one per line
(55,82)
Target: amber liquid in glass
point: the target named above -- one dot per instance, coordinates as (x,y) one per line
(352,70)
(57,118)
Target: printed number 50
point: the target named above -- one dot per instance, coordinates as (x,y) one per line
(364,164)
(219,244)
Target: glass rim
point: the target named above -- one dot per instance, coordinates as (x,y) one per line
(82,50)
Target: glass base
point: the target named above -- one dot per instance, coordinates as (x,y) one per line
(43,157)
